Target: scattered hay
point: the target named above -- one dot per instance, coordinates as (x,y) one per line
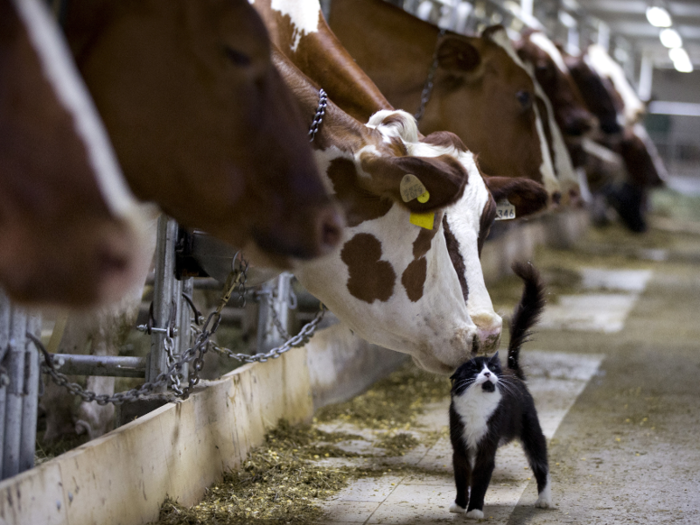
(392,403)
(276,484)
(397,444)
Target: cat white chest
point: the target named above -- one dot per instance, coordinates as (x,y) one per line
(475,407)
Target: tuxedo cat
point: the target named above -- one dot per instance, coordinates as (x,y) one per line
(491,406)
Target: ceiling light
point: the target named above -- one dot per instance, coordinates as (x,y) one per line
(670,38)
(658,17)
(681,60)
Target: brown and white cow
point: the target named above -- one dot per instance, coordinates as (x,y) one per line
(395,283)
(300,29)
(201,122)
(70,230)
(479,92)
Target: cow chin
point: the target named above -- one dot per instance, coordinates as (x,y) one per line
(488,332)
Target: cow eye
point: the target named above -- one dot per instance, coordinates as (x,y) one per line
(524,98)
(237,57)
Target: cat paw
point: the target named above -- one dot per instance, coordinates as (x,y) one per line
(457,509)
(475,514)
(543,503)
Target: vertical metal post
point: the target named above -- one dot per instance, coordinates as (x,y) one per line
(186,287)
(646,76)
(164,288)
(277,291)
(13,403)
(30,401)
(4,377)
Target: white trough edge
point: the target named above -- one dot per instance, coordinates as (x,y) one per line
(177,450)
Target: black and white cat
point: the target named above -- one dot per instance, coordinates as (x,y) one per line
(491,406)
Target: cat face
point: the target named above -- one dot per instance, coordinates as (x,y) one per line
(480,372)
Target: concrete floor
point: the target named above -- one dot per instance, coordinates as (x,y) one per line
(615,372)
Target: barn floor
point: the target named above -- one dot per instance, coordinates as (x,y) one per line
(614,370)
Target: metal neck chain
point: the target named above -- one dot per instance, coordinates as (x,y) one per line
(428,86)
(318,117)
(202,343)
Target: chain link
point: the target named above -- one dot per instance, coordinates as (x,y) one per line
(428,86)
(318,117)
(173,376)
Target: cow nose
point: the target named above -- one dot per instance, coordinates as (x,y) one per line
(329,229)
(579,124)
(488,331)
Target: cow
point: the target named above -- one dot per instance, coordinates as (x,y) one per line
(394,283)
(71,232)
(620,132)
(551,72)
(478,91)
(300,30)
(201,122)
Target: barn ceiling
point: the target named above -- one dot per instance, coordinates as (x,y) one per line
(627,18)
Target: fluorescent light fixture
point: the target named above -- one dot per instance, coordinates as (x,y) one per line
(681,60)
(566,19)
(670,38)
(658,16)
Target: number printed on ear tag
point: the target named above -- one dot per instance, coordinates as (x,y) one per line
(411,188)
(504,211)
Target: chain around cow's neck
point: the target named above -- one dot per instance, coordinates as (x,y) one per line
(428,86)
(320,112)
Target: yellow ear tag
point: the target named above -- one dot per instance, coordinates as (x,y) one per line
(424,197)
(424,220)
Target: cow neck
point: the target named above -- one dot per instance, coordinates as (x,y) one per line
(399,38)
(338,129)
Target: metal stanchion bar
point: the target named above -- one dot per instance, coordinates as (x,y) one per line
(93,365)
(13,403)
(277,296)
(4,344)
(183,334)
(163,288)
(30,399)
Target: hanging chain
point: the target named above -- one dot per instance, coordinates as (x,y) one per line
(318,117)
(173,376)
(428,86)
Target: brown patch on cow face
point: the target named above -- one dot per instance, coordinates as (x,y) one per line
(456,258)
(371,279)
(425,238)
(358,204)
(413,278)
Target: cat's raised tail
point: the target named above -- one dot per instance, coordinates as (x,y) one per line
(526,313)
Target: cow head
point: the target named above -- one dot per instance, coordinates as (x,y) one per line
(596,93)
(486,98)
(70,231)
(479,91)
(201,121)
(551,72)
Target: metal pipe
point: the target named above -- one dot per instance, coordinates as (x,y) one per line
(162,294)
(15,390)
(30,399)
(4,339)
(94,365)
(185,321)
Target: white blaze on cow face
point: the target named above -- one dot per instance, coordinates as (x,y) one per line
(546,169)
(61,73)
(304,15)
(605,66)
(563,166)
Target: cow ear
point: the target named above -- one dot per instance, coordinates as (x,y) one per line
(443,177)
(528,196)
(457,55)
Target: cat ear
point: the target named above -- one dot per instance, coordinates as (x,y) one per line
(495,358)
